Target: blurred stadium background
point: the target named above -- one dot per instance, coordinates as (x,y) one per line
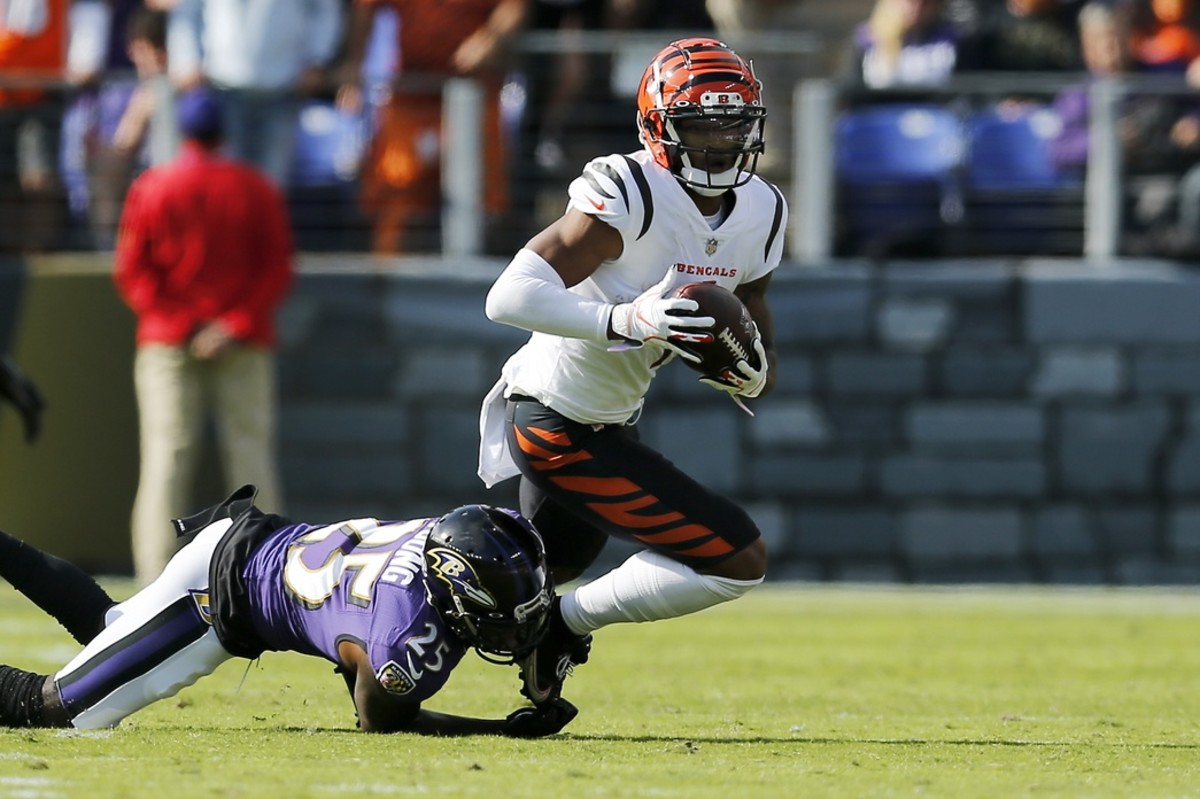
(980,378)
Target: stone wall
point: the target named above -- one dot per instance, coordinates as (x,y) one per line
(957,421)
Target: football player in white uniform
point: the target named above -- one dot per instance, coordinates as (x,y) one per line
(590,287)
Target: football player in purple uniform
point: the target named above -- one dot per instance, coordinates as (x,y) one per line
(394,604)
(590,287)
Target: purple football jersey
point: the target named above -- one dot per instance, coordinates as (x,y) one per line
(361,579)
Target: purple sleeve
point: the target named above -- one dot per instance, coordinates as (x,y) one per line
(414,659)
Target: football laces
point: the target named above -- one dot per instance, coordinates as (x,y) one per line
(734,345)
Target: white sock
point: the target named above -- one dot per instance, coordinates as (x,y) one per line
(646,587)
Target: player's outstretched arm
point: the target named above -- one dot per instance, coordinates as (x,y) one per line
(380,711)
(376,708)
(525,722)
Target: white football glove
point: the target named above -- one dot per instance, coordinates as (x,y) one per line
(746,381)
(650,318)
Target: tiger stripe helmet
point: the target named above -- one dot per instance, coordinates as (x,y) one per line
(700,114)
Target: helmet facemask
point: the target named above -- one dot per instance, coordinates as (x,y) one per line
(712,153)
(500,637)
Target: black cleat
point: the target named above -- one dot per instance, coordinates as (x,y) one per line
(559,652)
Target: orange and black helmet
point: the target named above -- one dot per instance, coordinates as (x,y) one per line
(700,114)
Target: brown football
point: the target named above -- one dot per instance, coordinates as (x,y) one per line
(733,330)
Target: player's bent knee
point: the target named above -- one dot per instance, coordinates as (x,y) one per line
(748,564)
(727,589)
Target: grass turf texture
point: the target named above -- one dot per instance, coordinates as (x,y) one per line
(790,692)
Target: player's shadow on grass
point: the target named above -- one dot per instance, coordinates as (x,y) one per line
(693,741)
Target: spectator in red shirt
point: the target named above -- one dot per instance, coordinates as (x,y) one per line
(203,257)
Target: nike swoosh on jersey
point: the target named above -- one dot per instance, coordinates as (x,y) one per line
(599,206)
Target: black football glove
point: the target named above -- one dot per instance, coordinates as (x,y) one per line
(540,721)
(21,392)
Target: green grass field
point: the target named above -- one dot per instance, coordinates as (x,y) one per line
(790,692)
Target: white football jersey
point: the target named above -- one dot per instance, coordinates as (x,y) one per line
(663,232)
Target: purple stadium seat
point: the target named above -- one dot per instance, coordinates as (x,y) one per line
(1012,151)
(1017,201)
(897,143)
(896,168)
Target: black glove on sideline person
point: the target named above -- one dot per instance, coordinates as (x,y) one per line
(542,720)
(21,392)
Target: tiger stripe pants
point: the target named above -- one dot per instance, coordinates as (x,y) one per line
(582,483)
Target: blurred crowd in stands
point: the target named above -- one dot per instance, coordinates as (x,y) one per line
(1005,165)
(340,103)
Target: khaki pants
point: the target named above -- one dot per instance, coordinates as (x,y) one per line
(175,394)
